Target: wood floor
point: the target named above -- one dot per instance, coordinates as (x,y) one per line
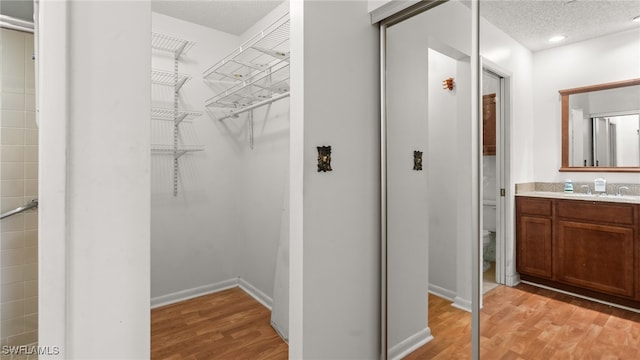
(524,322)
(226,325)
(529,323)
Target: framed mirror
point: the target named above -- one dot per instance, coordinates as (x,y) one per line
(601,127)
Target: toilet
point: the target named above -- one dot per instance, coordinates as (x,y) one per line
(488,233)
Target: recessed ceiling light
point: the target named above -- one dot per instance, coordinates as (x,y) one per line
(637,18)
(557,38)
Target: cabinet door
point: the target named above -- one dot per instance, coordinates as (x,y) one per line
(533,246)
(489,124)
(595,257)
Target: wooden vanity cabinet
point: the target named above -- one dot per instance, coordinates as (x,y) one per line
(533,238)
(582,246)
(594,247)
(489,124)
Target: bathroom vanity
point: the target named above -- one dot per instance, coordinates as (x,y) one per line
(585,244)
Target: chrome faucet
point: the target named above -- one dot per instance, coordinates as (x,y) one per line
(620,190)
(588,192)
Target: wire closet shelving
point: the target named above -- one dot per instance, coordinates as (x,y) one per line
(253,75)
(176,47)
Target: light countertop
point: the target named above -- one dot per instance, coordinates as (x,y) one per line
(629,199)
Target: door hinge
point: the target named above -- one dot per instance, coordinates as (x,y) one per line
(502,192)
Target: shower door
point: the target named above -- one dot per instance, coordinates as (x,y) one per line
(18,194)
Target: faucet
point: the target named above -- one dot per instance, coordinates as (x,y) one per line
(620,190)
(588,192)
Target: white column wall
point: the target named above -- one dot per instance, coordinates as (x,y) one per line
(335,93)
(107,205)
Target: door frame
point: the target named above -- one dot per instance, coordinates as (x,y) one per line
(505,244)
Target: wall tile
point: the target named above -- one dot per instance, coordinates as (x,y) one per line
(12,171)
(12,136)
(31,306)
(31,220)
(12,101)
(31,321)
(14,223)
(31,137)
(12,275)
(30,120)
(31,188)
(12,118)
(11,188)
(30,102)
(13,50)
(31,288)
(12,327)
(11,310)
(31,238)
(30,171)
(12,292)
(29,65)
(11,153)
(31,154)
(12,240)
(31,255)
(30,272)
(12,257)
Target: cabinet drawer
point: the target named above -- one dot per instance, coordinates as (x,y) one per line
(592,211)
(534,206)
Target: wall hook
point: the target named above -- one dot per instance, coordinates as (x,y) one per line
(448,84)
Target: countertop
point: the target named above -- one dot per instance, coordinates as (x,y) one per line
(629,199)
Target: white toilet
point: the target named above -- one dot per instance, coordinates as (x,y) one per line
(488,233)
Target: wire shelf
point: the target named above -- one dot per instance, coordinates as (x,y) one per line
(172,44)
(255,55)
(174,116)
(169,78)
(262,86)
(176,152)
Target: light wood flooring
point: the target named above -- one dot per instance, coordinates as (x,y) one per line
(526,322)
(226,325)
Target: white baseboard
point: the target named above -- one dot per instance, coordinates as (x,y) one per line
(442,292)
(261,297)
(187,294)
(410,344)
(462,304)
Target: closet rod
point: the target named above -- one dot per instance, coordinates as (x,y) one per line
(256,105)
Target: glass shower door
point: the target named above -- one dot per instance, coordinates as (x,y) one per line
(19,188)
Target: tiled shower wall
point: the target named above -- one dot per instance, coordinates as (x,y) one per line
(19,185)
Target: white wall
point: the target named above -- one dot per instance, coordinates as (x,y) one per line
(105,212)
(442,168)
(605,59)
(335,237)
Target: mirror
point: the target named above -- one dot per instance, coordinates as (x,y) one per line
(601,127)
(428,168)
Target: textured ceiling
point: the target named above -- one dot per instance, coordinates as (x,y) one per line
(230,16)
(533,22)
